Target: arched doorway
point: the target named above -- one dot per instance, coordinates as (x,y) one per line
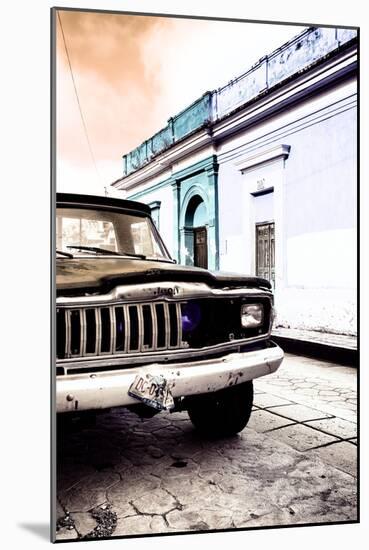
(196,221)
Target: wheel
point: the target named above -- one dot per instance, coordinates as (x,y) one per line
(223,413)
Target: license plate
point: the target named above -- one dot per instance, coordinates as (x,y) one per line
(154,391)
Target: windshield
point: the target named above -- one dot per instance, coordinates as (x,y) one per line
(102,232)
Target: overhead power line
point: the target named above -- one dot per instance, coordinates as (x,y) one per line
(78,101)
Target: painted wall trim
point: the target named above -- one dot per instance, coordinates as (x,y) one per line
(204,164)
(289,129)
(154,204)
(149,190)
(200,179)
(260,157)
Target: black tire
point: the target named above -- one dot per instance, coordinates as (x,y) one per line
(223,413)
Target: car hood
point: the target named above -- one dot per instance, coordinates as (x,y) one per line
(100,275)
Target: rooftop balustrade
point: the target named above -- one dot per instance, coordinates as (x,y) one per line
(307,48)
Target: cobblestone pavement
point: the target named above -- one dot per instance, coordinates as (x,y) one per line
(294,463)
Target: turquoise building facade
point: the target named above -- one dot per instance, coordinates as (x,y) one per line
(195,204)
(260,177)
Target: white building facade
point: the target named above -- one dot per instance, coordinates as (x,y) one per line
(260,177)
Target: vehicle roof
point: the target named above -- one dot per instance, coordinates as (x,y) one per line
(94,200)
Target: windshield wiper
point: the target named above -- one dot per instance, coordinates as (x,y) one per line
(105,251)
(66,254)
(94,249)
(160,259)
(134,255)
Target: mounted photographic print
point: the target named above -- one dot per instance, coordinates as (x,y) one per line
(204,316)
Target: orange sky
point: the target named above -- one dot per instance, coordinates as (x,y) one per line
(132,73)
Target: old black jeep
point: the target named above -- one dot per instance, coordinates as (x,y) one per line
(135,329)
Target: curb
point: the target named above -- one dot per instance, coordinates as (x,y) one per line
(317,350)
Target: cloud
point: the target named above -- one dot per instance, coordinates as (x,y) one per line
(112,80)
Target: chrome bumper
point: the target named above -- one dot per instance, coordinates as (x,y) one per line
(110,389)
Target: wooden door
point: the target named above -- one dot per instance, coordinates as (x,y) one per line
(265,251)
(200,243)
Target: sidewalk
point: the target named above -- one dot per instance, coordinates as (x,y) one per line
(338,348)
(311,406)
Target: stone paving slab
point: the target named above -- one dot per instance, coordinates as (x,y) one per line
(59,511)
(299,413)
(267,400)
(301,437)
(141,525)
(263,421)
(342,454)
(66,534)
(84,522)
(317,384)
(335,426)
(82,499)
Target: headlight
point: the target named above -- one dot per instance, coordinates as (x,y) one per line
(191,316)
(252,315)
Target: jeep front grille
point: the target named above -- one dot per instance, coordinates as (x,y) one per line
(118,329)
(123,329)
